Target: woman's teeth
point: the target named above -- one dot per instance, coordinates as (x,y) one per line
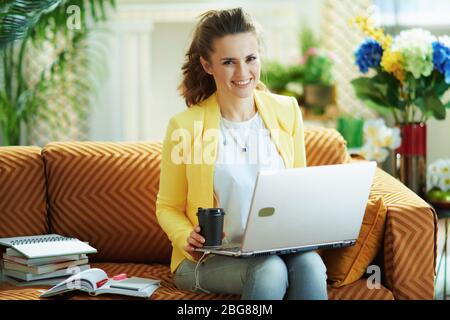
(242,83)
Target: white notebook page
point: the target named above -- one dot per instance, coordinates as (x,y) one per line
(47,246)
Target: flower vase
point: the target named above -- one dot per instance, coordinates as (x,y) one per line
(410,157)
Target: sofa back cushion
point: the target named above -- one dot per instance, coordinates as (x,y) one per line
(105,193)
(23,209)
(324,146)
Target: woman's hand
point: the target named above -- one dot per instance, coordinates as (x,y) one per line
(196,240)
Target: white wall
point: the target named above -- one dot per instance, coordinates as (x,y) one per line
(438,139)
(170,42)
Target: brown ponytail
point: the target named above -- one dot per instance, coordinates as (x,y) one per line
(197,85)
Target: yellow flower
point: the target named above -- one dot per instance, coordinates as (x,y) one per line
(384,40)
(367,27)
(372,132)
(392,62)
(388,140)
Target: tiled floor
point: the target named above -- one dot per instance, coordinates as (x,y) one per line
(439,293)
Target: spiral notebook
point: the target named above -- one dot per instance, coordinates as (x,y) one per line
(49,245)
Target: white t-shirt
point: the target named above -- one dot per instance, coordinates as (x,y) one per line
(244,149)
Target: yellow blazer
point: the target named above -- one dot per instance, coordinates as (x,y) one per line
(189,151)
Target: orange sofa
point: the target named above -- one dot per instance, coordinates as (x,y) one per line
(105,193)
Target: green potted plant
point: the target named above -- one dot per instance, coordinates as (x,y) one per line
(317,73)
(283,79)
(275,76)
(25,26)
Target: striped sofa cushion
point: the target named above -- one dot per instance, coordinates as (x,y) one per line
(410,244)
(22,192)
(325,146)
(105,193)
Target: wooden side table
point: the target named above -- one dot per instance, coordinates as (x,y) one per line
(443,212)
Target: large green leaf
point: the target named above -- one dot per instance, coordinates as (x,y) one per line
(392,93)
(440,86)
(22,15)
(371,94)
(382,88)
(434,104)
(380,109)
(34,17)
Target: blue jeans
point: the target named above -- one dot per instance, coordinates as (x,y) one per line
(297,276)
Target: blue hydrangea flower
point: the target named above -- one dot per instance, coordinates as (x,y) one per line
(368,55)
(441,59)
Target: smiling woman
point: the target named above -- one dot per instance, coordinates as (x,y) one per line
(213,45)
(235,67)
(223,93)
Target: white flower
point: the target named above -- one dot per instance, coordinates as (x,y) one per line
(432,176)
(419,37)
(372,128)
(433,182)
(380,154)
(371,152)
(432,169)
(389,138)
(444,168)
(416,48)
(379,135)
(367,151)
(438,174)
(444,183)
(396,138)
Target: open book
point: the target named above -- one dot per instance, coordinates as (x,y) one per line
(95,281)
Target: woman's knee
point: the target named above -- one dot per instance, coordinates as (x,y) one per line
(307,261)
(270,268)
(307,276)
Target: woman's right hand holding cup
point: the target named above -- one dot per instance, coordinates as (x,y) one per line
(196,240)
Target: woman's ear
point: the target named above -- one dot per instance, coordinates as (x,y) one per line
(205,65)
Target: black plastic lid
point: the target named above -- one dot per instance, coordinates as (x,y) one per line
(212,211)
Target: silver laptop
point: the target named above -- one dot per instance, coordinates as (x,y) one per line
(304,209)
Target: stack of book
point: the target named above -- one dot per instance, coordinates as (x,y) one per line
(43,259)
(22,271)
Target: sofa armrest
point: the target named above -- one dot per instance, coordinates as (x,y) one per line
(410,241)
